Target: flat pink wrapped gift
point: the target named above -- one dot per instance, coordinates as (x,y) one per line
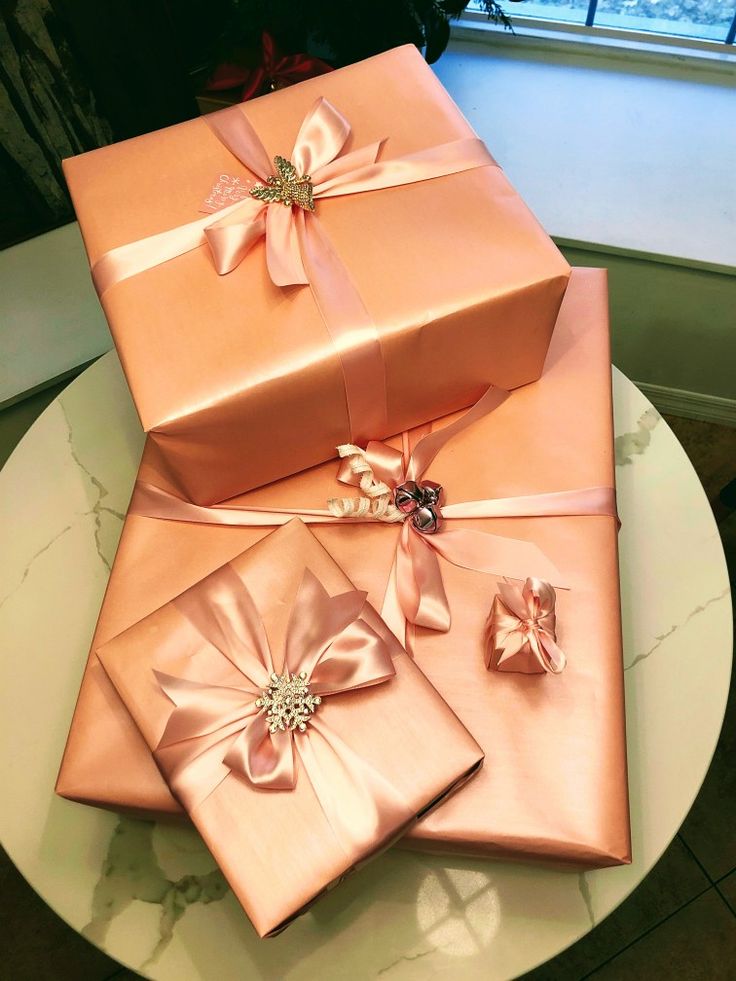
(554,785)
(429,276)
(289,720)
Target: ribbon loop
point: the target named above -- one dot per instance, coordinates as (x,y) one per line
(309,635)
(231,239)
(264,758)
(321,137)
(222,611)
(236,132)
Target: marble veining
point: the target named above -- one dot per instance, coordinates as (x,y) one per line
(405,959)
(37,555)
(629,445)
(131,872)
(661,638)
(100,492)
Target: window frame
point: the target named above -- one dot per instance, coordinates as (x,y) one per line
(474,20)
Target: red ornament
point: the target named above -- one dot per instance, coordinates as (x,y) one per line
(276,71)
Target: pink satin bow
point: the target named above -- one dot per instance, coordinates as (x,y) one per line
(217,727)
(317,153)
(297,249)
(520,633)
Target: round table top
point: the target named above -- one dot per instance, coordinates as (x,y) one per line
(151,896)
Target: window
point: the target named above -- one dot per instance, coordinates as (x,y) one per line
(708,20)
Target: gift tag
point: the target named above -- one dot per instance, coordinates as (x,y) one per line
(226,190)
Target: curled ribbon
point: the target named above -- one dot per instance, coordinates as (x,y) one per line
(221,723)
(520,633)
(415,591)
(298,251)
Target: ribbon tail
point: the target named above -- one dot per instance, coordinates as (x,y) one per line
(252,84)
(364,810)
(283,258)
(421,589)
(227,76)
(429,446)
(391,611)
(553,658)
(296,68)
(480,551)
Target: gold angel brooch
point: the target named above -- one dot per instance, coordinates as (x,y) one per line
(286,187)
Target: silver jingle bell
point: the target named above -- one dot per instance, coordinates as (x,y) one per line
(408,497)
(431,493)
(427,519)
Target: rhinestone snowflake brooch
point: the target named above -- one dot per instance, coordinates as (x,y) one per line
(286,187)
(288,702)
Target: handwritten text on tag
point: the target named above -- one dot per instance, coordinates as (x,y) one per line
(226,190)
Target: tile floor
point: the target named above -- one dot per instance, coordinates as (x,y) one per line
(679,925)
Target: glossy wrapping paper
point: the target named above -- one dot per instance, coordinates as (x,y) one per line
(370,760)
(554,784)
(238,380)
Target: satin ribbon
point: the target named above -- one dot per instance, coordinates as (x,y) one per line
(520,633)
(276,69)
(415,591)
(217,732)
(298,251)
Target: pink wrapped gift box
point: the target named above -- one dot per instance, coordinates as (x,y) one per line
(429,289)
(293,726)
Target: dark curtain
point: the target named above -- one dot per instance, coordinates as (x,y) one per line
(75,75)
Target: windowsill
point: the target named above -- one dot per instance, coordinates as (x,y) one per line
(52,320)
(639,45)
(605,148)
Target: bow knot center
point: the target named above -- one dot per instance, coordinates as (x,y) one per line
(529,624)
(286,187)
(288,702)
(421,501)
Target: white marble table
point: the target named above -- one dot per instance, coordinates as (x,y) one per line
(151,897)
